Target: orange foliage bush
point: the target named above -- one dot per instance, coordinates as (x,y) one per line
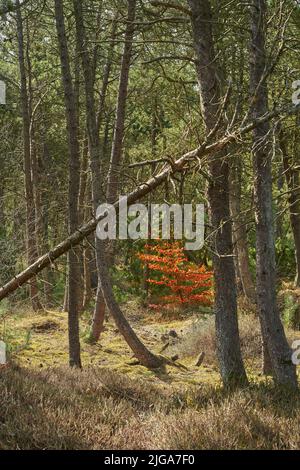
(187,283)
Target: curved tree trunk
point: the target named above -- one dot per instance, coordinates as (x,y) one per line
(116,156)
(99,310)
(145,357)
(94,125)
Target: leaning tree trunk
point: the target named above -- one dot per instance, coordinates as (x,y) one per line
(74,180)
(99,310)
(141,352)
(94,124)
(275,346)
(227,333)
(32,251)
(94,151)
(144,356)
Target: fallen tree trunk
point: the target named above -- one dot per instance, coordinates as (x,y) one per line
(144,189)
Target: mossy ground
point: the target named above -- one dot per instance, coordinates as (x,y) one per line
(40,340)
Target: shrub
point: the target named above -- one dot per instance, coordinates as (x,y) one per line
(181,282)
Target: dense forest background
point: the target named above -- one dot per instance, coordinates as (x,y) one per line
(180,102)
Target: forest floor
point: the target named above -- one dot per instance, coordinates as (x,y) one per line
(115,404)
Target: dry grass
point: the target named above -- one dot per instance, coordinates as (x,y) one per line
(96,409)
(113,405)
(252,419)
(200,336)
(65,409)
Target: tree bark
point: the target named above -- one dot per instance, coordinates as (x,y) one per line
(227,332)
(74,179)
(275,344)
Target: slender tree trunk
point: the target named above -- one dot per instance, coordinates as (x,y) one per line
(98,316)
(276,347)
(94,151)
(83,189)
(94,126)
(280,180)
(45,163)
(119,129)
(116,154)
(87,291)
(74,178)
(106,148)
(66,292)
(32,251)
(35,173)
(88,254)
(44,216)
(240,231)
(227,333)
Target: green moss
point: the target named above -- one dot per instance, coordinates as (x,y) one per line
(49,348)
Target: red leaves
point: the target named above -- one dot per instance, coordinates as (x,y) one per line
(188,283)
